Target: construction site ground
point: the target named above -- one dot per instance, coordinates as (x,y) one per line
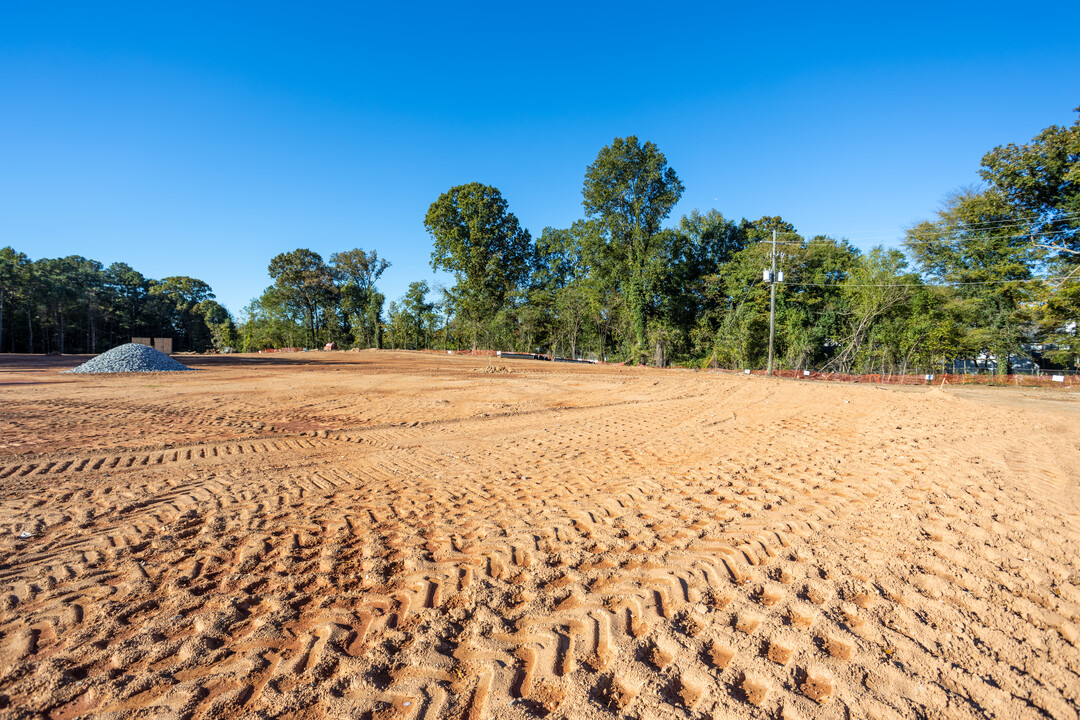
(411,535)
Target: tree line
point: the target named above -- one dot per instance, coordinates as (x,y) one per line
(995,274)
(313,302)
(77,305)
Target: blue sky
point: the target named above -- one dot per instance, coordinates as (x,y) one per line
(204,138)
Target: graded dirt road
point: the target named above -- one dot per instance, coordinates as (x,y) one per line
(406,535)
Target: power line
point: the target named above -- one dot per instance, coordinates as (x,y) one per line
(951,231)
(964,238)
(943,239)
(1014,220)
(927,285)
(944,236)
(1031,237)
(1020,219)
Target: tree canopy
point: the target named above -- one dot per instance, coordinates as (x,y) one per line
(356,272)
(980,285)
(478,239)
(990,282)
(1040,182)
(75,304)
(305,282)
(630,189)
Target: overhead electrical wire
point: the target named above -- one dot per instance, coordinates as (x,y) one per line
(950,232)
(1015,220)
(924,285)
(943,239)
(1058,279)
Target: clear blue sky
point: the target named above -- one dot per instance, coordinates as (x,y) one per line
(204,138)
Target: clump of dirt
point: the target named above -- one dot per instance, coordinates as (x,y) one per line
(817,687)
(719,655)
(498,370)
(686,691)
(754,688)
(660,656)
(690,623)
(617,693)
(549,697)
(779,652)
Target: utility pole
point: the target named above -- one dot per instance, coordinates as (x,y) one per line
(772,303)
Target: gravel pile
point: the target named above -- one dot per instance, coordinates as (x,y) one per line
(130,358)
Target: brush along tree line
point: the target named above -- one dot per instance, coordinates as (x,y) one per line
(996,272)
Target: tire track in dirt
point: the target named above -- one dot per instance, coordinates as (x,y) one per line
(642,562)
(656,597)
(392,437)
(128,460)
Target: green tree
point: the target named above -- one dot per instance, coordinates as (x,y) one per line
(218,322)
(1040,181)
(532,321)
(69,290)
(733,326)
(809,305)
(372,324)
(973,245)
(1058,322)
(877,286)
(12,281)
(306,282)
(481,243)
(558,264)
(30,292)
(396,326)
(128,291)
(445,306)
(705,242)
(418,315)
(577,284)
(180,297)
(412,318)
(679,267)
(74,304)
(737,318)
(926,332)
(271,321)
(630,189)
(356,272)
(559,258)
(572,310)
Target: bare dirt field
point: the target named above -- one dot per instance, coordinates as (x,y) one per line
(407,535)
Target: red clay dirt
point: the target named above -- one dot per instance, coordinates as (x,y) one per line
(407,535)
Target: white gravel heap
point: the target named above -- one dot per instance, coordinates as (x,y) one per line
(130,358)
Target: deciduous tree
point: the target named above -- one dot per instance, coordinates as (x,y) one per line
(480,241)
(305,281)
(974,246)
(630,189)
(1040,181)
(356,272)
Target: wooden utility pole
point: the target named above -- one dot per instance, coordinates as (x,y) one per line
(772,303)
